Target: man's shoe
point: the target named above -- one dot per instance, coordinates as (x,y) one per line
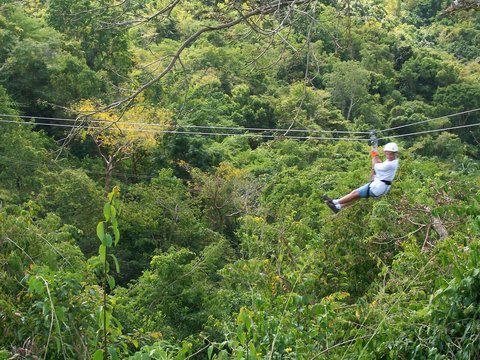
(326,198)
(332,206)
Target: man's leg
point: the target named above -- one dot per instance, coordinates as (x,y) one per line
(337,204)
(347,199)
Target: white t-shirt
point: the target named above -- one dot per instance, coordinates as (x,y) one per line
(383,171)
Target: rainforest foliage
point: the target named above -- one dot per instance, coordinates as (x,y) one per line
(142,231)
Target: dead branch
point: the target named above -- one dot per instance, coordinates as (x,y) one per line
(437,225)
(462,5)
(427,245)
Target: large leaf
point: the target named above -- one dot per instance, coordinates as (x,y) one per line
(117,266)
(98,355)
(101,230)
(107,240)
(107,211)
(113,211)
(102,251)
(116,232)
(111,282)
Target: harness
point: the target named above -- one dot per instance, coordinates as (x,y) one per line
(386,182)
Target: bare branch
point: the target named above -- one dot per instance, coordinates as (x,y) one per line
(306,77)
(190,40)
(463,5)
(166,11)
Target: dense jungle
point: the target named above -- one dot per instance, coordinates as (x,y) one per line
(163,165)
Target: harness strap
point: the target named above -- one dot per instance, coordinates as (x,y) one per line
(386,182)
(368,189)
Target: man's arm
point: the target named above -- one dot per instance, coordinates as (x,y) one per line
(375,160)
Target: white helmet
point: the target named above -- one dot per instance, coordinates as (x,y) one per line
(391,147)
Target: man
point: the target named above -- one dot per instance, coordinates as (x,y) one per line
(382,176)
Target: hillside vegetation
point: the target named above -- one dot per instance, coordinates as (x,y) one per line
(162,166)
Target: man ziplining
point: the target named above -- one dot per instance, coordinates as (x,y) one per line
(382,176)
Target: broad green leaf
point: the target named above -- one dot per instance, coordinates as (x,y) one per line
(60,313)
(210,352)
(116,232)
(36,285)
(117,266)
(108,317)
(102,251)
(101,230)
(184,351)
(107,240)
(99,316)
(113,353)
(111,282)
(241,336)
(107,211)
(98,355)
(252,352)
(240,353)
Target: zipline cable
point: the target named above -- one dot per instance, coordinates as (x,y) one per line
(246,128)
(193,126)
(429,131)
(200,133)
(245,133)
(428,120)
(119,174)
(272,136)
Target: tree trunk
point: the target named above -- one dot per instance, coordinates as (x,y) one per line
(350,107)
(438,226)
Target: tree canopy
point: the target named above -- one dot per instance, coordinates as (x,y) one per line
(162,166)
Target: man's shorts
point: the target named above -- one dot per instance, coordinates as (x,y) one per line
(364,192)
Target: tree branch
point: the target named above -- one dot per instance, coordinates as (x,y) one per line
(190,40)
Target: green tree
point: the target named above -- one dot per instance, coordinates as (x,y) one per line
(348,83)
(65,193)
(423,12)
(25,156)
(45,292)
(106,46)
(459,98)
(424,73)
(40,69)
(157,216)
(7,106)
(224,196)
(174,294)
